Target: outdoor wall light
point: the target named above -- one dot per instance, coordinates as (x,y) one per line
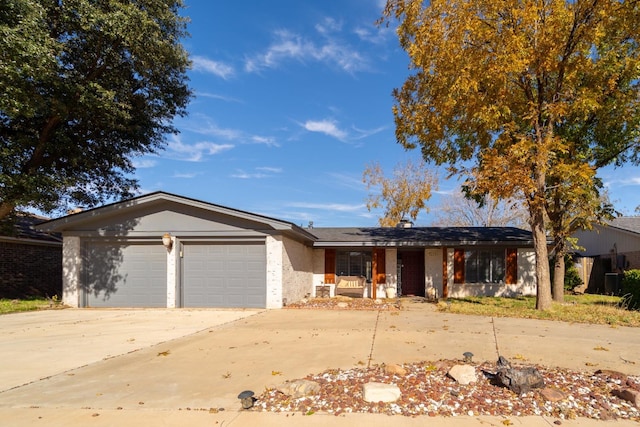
(166,241)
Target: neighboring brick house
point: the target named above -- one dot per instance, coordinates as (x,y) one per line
(30,261)
(607,250)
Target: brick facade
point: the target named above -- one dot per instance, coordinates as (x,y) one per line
(30,270)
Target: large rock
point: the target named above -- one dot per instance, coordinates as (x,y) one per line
(629,395)
(551,394)
(380,392)
(393,369)
(299,388)
(518,380)
(463,374)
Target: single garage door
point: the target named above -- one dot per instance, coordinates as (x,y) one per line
(116,275)
(224,275)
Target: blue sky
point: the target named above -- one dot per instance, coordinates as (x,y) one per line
(292,102)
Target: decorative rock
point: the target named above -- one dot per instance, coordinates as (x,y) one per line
(463,374)
(518,380)
(551,394)
(628,394)
(380,392)
(394,369)
(342,305)
(612,374)
(299,388)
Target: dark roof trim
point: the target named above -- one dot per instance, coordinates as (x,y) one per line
(422,237)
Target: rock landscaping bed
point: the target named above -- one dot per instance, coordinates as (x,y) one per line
(427,388)
(346,303)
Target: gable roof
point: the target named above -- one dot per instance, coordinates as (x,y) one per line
(422,236)
(627,223)
(65,222)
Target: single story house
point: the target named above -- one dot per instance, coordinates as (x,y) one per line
(607,250)
(165,250)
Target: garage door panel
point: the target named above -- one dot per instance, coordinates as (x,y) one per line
(224,275)
(124,275)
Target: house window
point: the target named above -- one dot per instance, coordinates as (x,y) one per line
(353,263)
(484,265)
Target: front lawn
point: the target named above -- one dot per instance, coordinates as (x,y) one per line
(597,309)
(17,305)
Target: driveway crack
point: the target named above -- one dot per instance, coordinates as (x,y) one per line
(373,340)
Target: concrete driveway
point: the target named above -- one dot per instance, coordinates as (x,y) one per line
(37,345)
(186,367)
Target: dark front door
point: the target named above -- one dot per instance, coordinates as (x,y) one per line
(412,272)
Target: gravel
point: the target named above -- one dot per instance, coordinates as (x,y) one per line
(427,390)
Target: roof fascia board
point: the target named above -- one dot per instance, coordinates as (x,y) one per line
(113,208)
(25,241)
(324,244)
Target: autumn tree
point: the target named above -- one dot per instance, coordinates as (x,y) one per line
(458,210)
(86,86)
(492,83)
(402,195)
(572,207)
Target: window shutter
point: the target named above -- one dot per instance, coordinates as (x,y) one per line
(445,274)
(329,266)
(458,266)
(381,276)
(511,277)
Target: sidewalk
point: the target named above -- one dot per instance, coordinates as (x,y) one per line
(188,380)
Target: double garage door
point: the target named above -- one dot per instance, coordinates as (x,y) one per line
(211,275)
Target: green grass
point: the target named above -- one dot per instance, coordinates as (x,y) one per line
(595,309)
(17,305)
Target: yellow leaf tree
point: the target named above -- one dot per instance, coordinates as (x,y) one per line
(493,81)
(403,195)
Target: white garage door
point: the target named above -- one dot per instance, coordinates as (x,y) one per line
(124,275)
(224,275)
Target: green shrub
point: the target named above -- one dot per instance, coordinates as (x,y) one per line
(571,274)
(631,289)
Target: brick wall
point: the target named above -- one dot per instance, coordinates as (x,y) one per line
(633,260)
(30,270)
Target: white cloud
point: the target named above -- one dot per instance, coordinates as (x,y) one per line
(269,169)
(328,127)
(328,25)
(185,175)
(204,126)
(144,163)
(375,35)
(327,206)
(291,46)
(216,96)
(261,172)
(240,174)
(266,140)
(200,63)
(178,150)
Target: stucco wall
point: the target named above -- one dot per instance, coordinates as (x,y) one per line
(433,270)
(297,267)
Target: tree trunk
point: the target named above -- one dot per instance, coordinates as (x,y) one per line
(557,290)
(5,209)
(543,294)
